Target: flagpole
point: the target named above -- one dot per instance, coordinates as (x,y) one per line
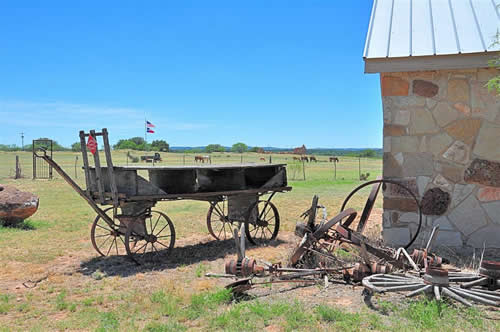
(145,133)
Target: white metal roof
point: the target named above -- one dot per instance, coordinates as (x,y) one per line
(404,28)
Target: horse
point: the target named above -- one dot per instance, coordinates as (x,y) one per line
(262,158)
(313,158)
(201,159)
(296,158)
(334,160)
(304,158)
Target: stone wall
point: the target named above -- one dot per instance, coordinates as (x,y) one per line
(442,140)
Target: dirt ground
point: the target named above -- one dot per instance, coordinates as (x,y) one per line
(77,269)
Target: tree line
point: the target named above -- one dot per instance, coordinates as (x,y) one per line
(139,144)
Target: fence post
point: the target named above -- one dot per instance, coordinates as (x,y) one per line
(242,158)
(335,166)
(270,159)
(76,161)
(359,168)
(184,159)
(304,169)
(18,168)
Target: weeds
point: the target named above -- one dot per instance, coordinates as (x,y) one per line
(108,322)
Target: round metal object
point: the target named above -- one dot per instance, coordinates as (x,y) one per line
(266,225)
(108,239)
(490,269)
(150,236)
(436,276)
(371,200)
(218,223)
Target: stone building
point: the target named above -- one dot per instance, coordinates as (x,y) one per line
(441,124)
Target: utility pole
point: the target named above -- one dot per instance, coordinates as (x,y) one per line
(22,141)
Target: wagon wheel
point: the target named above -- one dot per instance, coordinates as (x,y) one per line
(150,238)
(107,239)
(218,223)
(266,225)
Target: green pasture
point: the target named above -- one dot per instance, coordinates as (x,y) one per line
(81,291)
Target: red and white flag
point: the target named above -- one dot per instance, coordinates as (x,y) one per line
(92,144)
(150,131)
(149,124)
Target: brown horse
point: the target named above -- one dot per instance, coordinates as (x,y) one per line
(202,159)
(296,158)
(313,158)
(304,158)
(262,158)
(334,159)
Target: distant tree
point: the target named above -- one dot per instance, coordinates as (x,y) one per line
(137,140)
(76,147)
(160,145)
(256,149)
(214,148)
(368,153)
(239,147)
(125,144)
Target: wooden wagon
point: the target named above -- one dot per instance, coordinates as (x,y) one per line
(129,224)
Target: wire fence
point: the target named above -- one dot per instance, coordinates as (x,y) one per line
(346,168)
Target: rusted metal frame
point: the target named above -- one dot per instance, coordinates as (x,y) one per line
(98,171)
(311,213)
(357,239)
(85,161)
(309,239)
(384,181)
(109,163)
(368,207)
(77,188)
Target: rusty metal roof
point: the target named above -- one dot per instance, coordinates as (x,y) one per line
(404,28)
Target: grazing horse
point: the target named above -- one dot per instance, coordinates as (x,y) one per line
(334,159)
(262,158)
(313,158)
(296,158)
(304,158)
(202,159)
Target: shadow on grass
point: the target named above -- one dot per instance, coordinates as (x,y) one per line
(25,225)
(180,256)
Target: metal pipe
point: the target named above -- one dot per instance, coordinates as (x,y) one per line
(418,291)
(456,297)
(436,293)
(473,297)
(477,282)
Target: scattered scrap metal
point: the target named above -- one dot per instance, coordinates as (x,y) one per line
(378,268)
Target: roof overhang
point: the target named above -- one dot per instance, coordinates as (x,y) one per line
(434,62)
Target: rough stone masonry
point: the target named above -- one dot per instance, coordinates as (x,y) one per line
(442,139)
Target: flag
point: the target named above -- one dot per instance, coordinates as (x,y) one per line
(92,144)
(149,124)
(150,131)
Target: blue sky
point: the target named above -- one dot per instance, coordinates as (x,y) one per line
(267,73)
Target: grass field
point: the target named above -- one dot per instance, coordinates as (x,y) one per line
(68,287)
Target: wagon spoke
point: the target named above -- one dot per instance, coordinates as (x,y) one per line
(111,246)
(162,229)
(116,245)
(163,244)
(104,227)
(156,223)
(137,250)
